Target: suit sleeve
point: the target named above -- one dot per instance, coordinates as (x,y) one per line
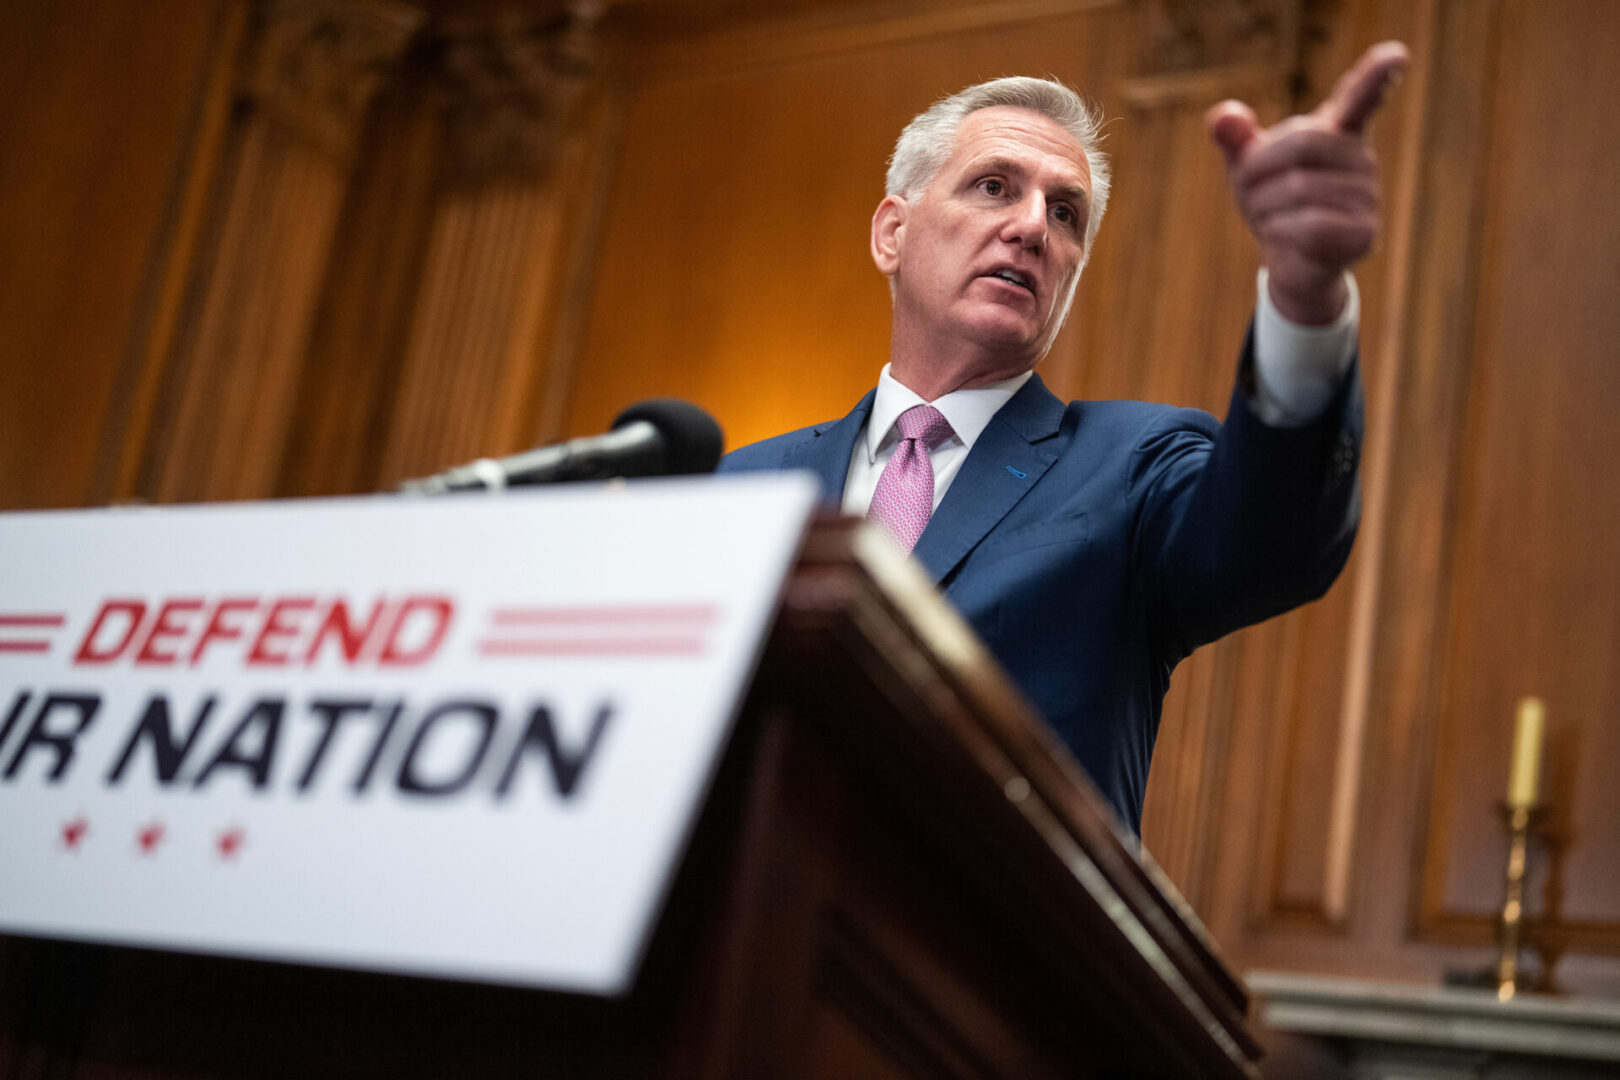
(1244,524)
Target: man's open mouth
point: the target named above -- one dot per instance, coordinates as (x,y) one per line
(1023,281)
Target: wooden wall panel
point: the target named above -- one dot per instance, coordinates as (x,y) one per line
(1485,543)
(1307,677)
(230,393)
(230,397)
(1535,586)
(351,375)
(100,106)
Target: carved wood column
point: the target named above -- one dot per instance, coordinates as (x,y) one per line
(312,70)
(474,354)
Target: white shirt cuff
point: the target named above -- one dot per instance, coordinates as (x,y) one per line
(1298,368)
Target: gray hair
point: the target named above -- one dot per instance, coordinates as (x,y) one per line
(927,142)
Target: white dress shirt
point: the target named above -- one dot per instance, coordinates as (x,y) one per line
(1297,371)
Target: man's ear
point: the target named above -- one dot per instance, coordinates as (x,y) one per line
(888,233)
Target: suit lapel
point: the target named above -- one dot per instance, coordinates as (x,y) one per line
(826,453)
(1006,460)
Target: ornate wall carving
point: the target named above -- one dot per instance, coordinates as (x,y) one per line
(1184,35)
(317,64)
(515,83)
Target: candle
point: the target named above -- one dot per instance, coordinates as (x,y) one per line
(1527,734)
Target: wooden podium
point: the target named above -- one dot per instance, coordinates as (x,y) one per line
(896,874)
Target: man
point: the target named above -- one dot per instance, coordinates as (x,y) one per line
(1094,546)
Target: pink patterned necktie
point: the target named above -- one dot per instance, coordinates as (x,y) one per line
(904,497)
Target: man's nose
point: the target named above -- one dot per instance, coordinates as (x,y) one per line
(1026,223)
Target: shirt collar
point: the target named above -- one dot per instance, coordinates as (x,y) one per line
(967,410)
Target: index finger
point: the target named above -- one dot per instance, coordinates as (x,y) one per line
(1359,91)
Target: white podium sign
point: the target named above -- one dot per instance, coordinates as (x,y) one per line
(463,737)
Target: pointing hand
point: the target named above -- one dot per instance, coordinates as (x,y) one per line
(1308,186)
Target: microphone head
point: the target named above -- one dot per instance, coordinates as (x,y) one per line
(692,438)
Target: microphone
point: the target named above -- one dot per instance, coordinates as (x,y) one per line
(659,437)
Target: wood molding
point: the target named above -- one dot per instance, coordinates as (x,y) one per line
(1447,325)
(515,84)
(1198,87)
(1191,54)
(1348,821)
(152,333)
(1293,897)
(1186,35)
(318,63)
(230,382)
(771,41)
(601,136)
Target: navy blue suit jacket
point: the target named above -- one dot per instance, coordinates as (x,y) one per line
(1094,545)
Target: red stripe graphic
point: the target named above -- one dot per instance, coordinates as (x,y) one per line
(659,613)
(622,630)
(32,620)
(605,647)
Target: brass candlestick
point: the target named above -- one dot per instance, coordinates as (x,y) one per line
(1521,821)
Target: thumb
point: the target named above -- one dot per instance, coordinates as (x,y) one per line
(1233,126)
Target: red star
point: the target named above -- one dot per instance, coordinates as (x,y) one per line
(73,832)
(230,842)
(150,837)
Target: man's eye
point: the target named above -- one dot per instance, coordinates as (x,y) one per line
(1064,213)
(991,187)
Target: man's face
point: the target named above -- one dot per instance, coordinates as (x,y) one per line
(988,255)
